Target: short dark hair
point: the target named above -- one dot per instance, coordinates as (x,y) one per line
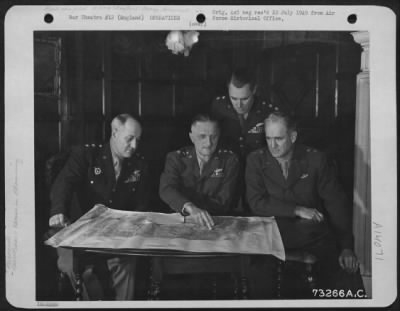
(287,118)
(242,76)
(203,117)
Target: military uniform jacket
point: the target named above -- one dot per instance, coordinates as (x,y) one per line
(311,183)
(90,172)
(213,190)
(252,136)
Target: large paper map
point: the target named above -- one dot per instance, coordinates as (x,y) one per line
(102,227)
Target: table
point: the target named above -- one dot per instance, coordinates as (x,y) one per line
(170,262)
(167,240)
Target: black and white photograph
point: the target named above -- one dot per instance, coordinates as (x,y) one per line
(190,164)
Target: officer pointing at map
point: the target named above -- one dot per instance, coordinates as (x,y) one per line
(199,181)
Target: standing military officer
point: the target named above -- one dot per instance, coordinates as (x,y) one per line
(241,115)
(199,181)
(297,185)
(113,175)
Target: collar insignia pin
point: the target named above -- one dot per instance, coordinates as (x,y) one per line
(97,170)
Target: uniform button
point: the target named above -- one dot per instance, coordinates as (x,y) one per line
(113,190)
(91,181)
(110,201)
(240,138)
(133,189)
(241,146)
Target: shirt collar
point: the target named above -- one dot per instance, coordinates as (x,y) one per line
(201,159)
(287,159)
(115,157)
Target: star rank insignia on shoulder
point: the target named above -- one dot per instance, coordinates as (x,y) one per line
(225,151)
(184,152)
(220,98)
(138,155)
(223,102)
(309,149)
(268,106)
(93,146)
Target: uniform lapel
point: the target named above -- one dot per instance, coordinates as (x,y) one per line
(124,170)
(272,169)
(254,118)
(192,162)
(252,115)
(107,162)
(211,165)
(297,166)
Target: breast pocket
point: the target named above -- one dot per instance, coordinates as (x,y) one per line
(96,178)
(305,188)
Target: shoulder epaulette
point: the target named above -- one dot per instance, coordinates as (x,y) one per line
(93,146)
(309,149)
(225,151)
(184,152)
(220,98)
(223,101)
(139,156)
(268,105)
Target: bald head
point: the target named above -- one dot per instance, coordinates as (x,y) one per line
(125,135)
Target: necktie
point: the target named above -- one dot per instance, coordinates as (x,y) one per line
(201,165)
(285,168)
(241,121)
(117,168)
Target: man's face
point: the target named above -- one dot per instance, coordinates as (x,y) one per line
(126,138)
(204,136)
(241,98)
(279,139)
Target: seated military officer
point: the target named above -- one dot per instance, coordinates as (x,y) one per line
(297,185)
(113,175)
(199,181)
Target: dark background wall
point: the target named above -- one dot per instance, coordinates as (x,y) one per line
(83,79)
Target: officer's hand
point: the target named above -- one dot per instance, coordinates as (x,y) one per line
(198,215)
(348,261)
(58,220)
(308,213)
